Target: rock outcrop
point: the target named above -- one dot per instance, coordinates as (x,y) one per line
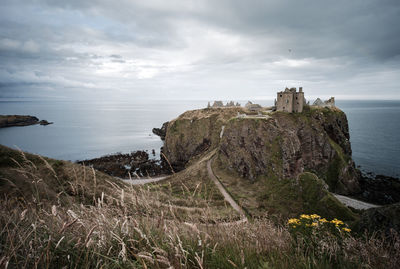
(44,122)
(379,189)
(194,132)
(20,120)
(17,120)
(134,164)
(280,145)
(384,219)
(161,132)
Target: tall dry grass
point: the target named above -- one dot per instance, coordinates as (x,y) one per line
(120,226)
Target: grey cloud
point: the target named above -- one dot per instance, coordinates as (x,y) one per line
(200,48)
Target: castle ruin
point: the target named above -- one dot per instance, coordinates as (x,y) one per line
(328,103)
(218,104)
(290,100)
(253,107)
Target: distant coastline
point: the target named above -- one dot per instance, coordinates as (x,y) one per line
(20,120)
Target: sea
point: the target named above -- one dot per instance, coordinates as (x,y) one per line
(86,129)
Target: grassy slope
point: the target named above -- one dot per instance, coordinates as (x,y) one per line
(31,177)
(53,214)
(193,188)
(283,197)
(188,195)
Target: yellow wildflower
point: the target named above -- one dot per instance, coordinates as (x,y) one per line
(305,216)
(315,216)
(314,224)
(293,221)
(346,230)
(323,220)
(337,222)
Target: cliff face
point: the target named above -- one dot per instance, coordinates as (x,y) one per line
(286,145)
(281,145)
(195,132)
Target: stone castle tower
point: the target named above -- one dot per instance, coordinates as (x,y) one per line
(290,100)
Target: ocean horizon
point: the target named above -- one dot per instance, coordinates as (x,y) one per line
(85,130)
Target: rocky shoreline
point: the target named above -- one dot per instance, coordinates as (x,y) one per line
(379,189)
(20,120)
(135,164)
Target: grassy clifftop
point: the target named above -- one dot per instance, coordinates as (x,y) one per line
(195,132)
(280,145)
(57,214)
(264,161)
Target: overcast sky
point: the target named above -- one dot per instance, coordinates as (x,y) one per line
(183,49)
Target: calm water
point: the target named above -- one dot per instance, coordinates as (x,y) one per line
(87,130)
(374,134)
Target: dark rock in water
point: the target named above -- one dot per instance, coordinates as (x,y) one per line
(17,120)
(44,122)
(379,189)
(123,165)
(380,219)
(161,132)
(20,120)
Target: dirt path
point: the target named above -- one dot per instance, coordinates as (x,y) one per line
(143,181)
(226,195)
(353,202)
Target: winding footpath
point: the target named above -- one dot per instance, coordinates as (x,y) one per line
(350,202)
(223,191)
(143,181)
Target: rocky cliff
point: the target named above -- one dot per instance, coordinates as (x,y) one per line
(195,132)
(277,145)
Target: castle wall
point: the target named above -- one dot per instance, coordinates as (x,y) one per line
(298,102)
(284,101)
(290,100)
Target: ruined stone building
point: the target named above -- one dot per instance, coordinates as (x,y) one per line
(327,103)
(252,107)
(218,104)
(290,100)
